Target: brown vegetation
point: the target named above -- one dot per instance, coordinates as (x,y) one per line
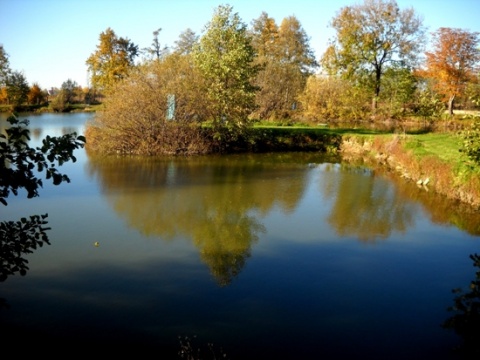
(136,115)
(428,171)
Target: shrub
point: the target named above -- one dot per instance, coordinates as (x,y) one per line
(471,141)
(158,109)
(331,99)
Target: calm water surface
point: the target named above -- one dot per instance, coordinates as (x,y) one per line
(268,256)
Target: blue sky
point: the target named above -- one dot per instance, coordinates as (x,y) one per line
(50,40)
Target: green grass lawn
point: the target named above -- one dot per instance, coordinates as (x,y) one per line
(445,146)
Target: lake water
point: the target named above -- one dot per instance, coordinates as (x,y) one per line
(267,256)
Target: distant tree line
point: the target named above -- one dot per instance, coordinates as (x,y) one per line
(16,93)
(375,68)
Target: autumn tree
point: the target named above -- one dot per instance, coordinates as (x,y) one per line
(452,64)
(224,55)
(36,95)
(3,95)
(286,61)
(428,104)
(88,95)
(264,32)
(330,99)
(370,37)
(297,58)
(69,93)
(112,60)
(295,46)
(472,93)
(4,71)
(399,85)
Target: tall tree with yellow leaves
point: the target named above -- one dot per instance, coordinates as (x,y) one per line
(286,61)
(452,64)
(112,60)
(36,95)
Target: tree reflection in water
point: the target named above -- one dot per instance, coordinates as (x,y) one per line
(367,207)
(466,321)
(216,202)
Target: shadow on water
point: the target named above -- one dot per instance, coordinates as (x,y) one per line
(17,239)
(466,319)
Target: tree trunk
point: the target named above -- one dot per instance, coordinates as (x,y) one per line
(450,105)
(378,75)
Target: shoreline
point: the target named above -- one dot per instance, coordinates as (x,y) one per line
(429,172)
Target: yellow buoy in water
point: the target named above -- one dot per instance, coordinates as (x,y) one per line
(96,243)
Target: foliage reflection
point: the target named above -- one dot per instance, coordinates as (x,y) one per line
(214,201)
(440,209)
(217,202)
(366,206)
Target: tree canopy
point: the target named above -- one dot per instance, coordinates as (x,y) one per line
(17,88)
(452,63)
(224,55)
(36,95)
(286,61)
(4,65)
(369,37)
(112,60)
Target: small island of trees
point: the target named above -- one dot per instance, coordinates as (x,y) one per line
(210,92)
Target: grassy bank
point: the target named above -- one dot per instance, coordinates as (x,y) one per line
(432,160)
